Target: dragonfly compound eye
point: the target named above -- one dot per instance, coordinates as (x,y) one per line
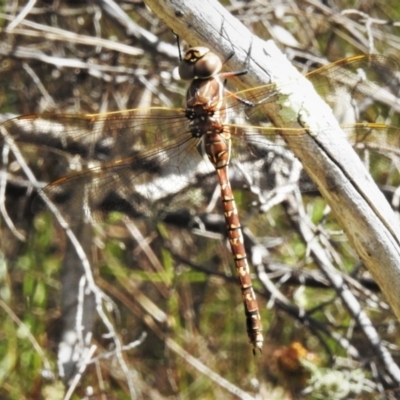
(200,63)
(209,65)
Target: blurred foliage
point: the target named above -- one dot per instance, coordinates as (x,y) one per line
(178,283)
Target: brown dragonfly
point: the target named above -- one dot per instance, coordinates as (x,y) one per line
(141,159)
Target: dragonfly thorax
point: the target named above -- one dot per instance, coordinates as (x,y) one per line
(203,120)
(205,107)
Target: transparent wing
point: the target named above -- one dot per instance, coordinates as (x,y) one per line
(131,161)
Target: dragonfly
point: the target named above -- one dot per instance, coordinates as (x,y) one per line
(142,159)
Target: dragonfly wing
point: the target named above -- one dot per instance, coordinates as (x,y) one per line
(141,185)
(150,156)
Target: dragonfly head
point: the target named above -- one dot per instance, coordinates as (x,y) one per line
(199,63)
